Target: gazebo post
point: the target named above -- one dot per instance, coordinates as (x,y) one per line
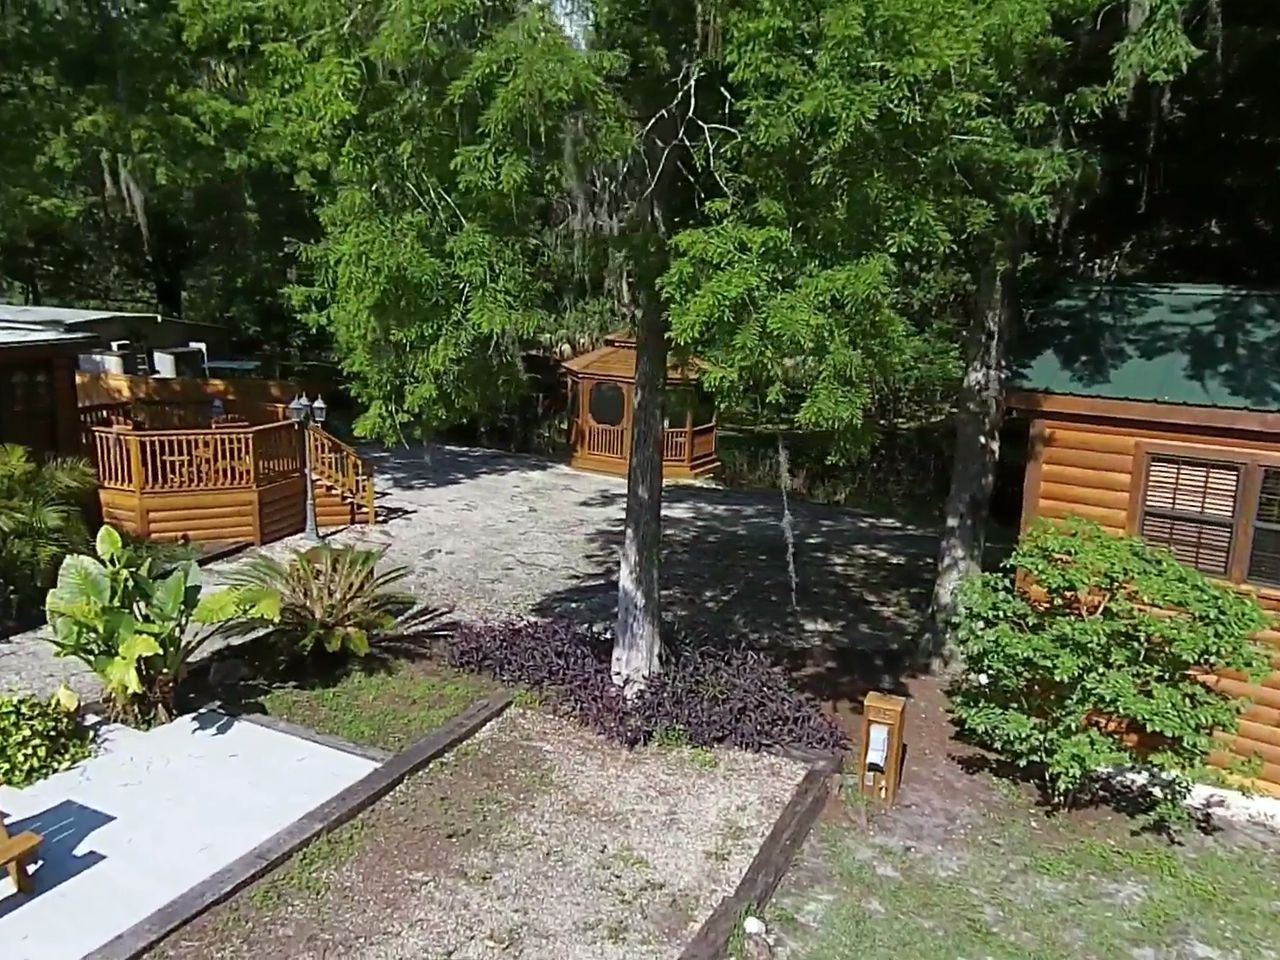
(628,411)
(688,435)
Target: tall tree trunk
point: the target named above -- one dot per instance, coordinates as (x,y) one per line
(976,453)
(637,649)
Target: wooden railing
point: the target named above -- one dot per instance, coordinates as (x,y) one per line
(175,461)
(602,441)
(277,454)
(679,444)
(154,415)
(704,442)
(335,463)
(674,446)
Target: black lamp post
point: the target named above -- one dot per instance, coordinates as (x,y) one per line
(303,412)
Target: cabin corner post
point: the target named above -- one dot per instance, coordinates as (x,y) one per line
(1037,436)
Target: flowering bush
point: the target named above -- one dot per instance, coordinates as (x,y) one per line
(1085,655)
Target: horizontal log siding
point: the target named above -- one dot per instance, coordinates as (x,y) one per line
(1085,468)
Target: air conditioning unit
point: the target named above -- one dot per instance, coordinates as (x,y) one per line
(109,361)
(138,362)
(174,362)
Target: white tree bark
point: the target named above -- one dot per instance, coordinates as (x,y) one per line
(977,450)
(637,649)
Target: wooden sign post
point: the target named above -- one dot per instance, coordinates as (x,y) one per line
(880,763)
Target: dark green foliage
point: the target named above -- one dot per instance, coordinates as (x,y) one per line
(41,521)
(1091,662)
(325,602)
(38,738)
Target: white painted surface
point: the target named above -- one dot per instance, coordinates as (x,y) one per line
(1234,805)
(149,817)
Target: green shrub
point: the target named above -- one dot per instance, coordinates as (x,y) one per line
(41,521)
(128,625)
(326,601)
(1088,661)
(39,738)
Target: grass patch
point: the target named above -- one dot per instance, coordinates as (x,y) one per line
(529,699)
(308,875)
(1027,888)
(381,708)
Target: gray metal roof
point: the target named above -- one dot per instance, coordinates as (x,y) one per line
(28,333)
(66,316)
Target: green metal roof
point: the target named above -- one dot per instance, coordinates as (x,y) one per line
(1205,346)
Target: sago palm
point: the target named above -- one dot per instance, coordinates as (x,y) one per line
(41,512)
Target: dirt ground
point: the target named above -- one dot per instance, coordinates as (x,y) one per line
(971,865)
(535,839)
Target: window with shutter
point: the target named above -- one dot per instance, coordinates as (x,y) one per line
(1189,507)
(1264,557)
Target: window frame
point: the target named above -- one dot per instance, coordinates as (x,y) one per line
(1251,464)
(1255,524)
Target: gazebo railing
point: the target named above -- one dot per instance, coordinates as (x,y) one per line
(602,441)
(675,445)
(681,445)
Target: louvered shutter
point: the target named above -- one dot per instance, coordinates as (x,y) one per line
(1189,507)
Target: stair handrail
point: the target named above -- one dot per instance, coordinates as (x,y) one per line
(354,480)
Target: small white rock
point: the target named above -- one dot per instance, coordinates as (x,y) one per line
(753,927)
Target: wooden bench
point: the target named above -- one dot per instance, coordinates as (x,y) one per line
(14,854)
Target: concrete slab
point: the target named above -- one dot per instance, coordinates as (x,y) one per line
(148,817)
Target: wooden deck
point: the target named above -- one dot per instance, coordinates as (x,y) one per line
(231,484)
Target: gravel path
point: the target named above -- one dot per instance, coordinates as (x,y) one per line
(536,839)
(487,533)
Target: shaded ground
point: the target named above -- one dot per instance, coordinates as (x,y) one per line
(492,533)
(970,866)
(535,839)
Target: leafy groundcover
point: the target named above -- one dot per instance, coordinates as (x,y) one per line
(705,695)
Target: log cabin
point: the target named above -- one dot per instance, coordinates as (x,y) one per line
(1155,411)
(38,407)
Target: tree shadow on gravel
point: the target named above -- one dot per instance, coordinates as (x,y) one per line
(425,466)
(862,582)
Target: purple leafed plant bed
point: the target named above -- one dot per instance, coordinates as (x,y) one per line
(710,695)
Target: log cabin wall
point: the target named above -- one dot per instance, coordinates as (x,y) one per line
(1087,457)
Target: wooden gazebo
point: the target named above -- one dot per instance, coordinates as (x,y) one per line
(602,401)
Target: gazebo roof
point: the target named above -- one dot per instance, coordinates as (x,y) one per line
(616,360)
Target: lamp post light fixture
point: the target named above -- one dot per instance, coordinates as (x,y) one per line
(303,412)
